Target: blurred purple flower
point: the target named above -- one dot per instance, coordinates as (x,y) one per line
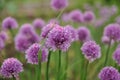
(59,38)
(66,17)
(89,16)
(59,4)
(72,32)
(10,67)
(3,35)
(106,40)
(112,31)
(76,16)
(117,20)
(32,53)
(9,23)
(116,55)
(109,73)
(2,44)
(38,23)
(44,54)
(83,34)
(91,50)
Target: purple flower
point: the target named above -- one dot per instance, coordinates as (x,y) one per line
(72,32)
(83,34)
(11,66)
(59,38)
(44,54)
(2,44)
(91,50)
(112,31)
(89,16)
(116,55)
(3,35)
(59,4)
(106,40)
(76,16)
(109,73)
(46,29)
(66,17)
(38,23)
(32,53)
(9,23)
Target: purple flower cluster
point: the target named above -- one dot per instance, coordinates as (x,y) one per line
(116,55)
(91,50)
(76,16)
(11,67)
(59,4)
(59,38)
(109,73)
(26,37)
(3,35)
(89,16)
(38,23)
(83,34)
(112,31)
(2,44)
(9,23)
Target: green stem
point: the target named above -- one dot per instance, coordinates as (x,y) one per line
(59,66)
(39,67)
(86,68)
(107,54)
(12,33)
(48,65)
(60,14)
(66,66)
(82,66)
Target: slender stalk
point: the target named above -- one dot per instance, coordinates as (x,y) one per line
(107,54)
(48,65)
(59,66)
(39,67)
(12,33)
(66,66)
(86,68)
(59,15)
(82,67)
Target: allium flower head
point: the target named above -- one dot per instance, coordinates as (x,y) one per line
(9,23)
(44,57)
(2,44)
(89,16)
(10,67)
(91,50)
(83,34)
(72,32)
(32,53)
(59,4)
(59,38)
(116,55)
(76,16)
(109,73)
(112,31)
(66,17)
(46,29)
(38,23)
(3,35)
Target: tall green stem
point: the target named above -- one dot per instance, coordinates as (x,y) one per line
(59,66)
(48,65)
(107,54)
(86,68)
(66,66)
(82,67)
(39,67)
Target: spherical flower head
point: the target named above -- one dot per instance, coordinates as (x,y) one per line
(116,55)
(32,53)
(112,31)
(59,38)
(83,34)
(11,67)
(89,16)
(91,50)
(109,73)
(9,23)
(3,35)
(47,29)
(59,4)
(72,32)
(44,57)
(38,23)
(2,44)
(106,40)
(66,17)
(76,16)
